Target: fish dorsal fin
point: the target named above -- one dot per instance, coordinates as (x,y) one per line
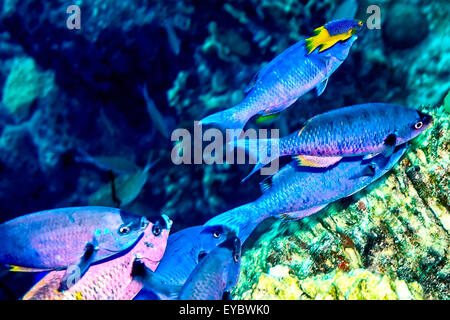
(252,82)
(266,184)
(315,162)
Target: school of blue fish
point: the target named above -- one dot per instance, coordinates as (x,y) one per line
(335,155)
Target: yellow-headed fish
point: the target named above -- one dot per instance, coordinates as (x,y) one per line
(332,32)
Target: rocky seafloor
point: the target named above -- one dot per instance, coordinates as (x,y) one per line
(68,92)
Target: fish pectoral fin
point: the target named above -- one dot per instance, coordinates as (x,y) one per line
(265,118)
(266,184)
(227,295)
(151,280)
(389,145)
(76,271)
(367,171)
(320,88)
(315,162)
(296,215)
(370,156)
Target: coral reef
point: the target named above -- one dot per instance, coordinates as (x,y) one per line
(65,90)
(390,241)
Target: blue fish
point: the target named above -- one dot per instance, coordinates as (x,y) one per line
(216,274)
(68,237)
(296,192)
(290,75)
(364,129)
(184,250)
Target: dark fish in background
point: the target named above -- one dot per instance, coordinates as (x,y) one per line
(364,129)
(346,10)
(155,115)
(127,188)
(111,279)
(68,237)
(296,192)
(286,78)
(116,164)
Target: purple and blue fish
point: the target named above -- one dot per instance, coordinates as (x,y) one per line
(294,72)
(110,279)
(365,129)
(296,192)
(68,237)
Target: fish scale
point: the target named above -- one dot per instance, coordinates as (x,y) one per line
(109,280)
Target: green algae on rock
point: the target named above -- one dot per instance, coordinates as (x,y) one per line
(25,83)
(389,241)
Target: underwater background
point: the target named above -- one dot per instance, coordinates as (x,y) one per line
(74,122)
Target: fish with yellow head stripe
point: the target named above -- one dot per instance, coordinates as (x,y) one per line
(328,35)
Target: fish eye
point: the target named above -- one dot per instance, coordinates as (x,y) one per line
(418,125)
(360,23)
(216,234)
(124,230)
(236,257)
(156,230)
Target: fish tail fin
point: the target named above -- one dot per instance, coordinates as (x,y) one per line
(243,220)
(233,119)
(260,151)
(150,162)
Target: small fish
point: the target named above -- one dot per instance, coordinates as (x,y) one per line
(365,129)
(346,9)
(109,280)
(333,32)
(286,78)
(127,188)
(296,192)
(184,250)
(155,115)
(216,274)
(68,238)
